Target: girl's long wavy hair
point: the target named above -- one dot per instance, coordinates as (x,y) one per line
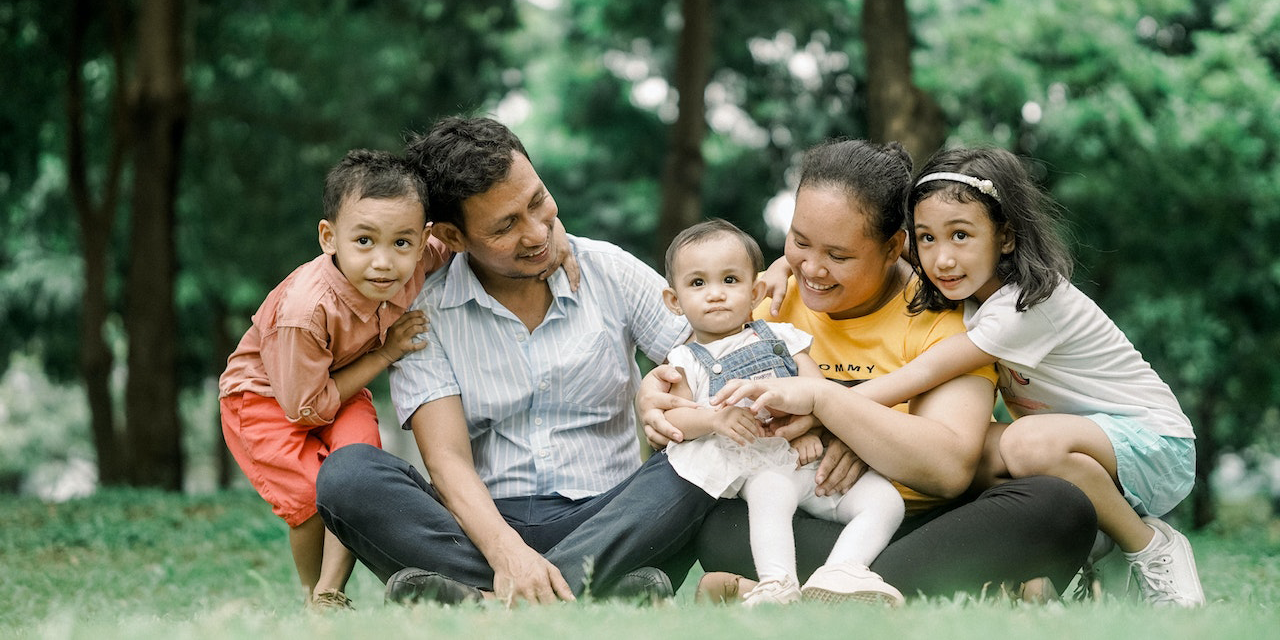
(1040,260)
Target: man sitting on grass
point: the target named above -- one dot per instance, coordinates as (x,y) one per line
(521,405)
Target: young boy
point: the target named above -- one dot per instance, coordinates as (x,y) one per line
(711,270)
(293,390)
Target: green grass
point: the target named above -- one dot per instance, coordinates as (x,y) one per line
(127,564)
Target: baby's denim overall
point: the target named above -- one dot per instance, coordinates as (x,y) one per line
(755,361)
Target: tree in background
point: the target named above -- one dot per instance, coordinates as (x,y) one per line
(158,112)
(96,216)
(896,108)
(1155,127)
(683,170)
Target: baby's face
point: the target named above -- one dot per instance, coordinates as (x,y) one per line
(376,243)
(715,287)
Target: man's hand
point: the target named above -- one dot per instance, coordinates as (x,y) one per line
(403,336)
(523,575)
(839,469)
(654,399)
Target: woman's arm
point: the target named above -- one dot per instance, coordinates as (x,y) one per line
(934,449)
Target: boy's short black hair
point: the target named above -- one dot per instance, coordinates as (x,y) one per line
(704,230)
(370,174)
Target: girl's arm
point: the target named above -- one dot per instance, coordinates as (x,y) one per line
(793,427)
(775,280)
(952,357)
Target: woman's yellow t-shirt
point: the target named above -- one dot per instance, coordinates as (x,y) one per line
(859,349)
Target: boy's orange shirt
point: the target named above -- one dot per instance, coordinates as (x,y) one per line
(313,323)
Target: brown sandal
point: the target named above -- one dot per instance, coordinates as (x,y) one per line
(721,587)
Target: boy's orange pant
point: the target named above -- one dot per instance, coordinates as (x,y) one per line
(281,458)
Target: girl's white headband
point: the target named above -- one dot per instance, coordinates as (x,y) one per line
(985,186)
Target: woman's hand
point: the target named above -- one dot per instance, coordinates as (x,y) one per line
(654,399)
(775,283)
(839,469)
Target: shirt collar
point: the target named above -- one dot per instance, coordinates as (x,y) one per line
(461,286)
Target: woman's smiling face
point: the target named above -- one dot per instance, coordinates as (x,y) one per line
(840,270)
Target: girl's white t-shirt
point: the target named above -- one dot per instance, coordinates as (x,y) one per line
(1064,355)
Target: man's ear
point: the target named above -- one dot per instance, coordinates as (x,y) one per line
(328,237)
(450,235)
(757,292)
(669,299)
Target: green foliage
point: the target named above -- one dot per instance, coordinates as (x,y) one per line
(1156,125)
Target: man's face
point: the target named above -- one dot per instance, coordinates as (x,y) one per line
(509,226)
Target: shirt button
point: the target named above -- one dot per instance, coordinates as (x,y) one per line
(543,385)
(537,421)
(520,337)
(306,412)
(544,454)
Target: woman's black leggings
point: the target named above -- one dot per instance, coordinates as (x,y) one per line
(1010,533)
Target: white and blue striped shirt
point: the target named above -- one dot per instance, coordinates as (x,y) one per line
(548,411)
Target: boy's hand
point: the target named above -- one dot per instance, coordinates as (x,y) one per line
(809,446)
(403,336)
(737,424)
(562,257)
(775,283)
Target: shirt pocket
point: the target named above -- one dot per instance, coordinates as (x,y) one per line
(595,374)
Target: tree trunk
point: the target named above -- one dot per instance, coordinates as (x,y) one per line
(684,166)
(896,108)
(1203,509)
(223,344)
(96,222)
(159,112)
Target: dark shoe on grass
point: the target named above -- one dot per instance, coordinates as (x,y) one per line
(410,585)
(646,585)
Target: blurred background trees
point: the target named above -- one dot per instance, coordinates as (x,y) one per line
(1157,128)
